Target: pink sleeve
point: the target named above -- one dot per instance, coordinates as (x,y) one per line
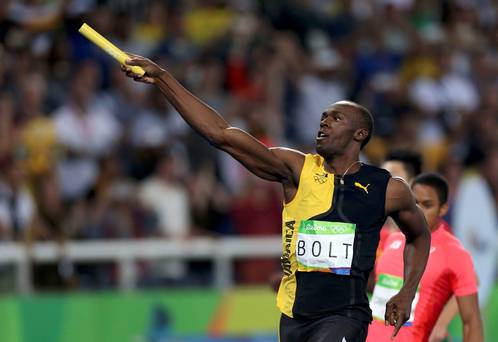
(384,236)
(464,282)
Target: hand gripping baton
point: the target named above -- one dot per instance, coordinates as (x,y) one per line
(108,47)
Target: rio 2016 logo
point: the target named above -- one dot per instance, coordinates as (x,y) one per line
(310,227)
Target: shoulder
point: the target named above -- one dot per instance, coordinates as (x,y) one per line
(294,161)
(310,160)
(398,187)
(454,250)
(399,196)
(315,159)
(453,245)
(288,153)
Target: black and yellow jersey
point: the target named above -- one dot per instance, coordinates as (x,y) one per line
(330,235)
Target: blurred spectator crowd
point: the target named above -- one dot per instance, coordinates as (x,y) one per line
(87,154)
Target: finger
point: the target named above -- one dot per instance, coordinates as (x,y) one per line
(387,313)
(399,324)
(132,55)
(131,74)
(148,80)
(390,320)
(391,313)
(138,61)
(126,68)
(393,319)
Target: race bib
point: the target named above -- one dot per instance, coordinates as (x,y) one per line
(386,287)
(325,246)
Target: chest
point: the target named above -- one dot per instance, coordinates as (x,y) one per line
(391,261)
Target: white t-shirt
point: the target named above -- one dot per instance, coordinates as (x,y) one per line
(93,134)
(25,208)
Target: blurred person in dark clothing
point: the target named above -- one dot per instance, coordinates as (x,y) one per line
(210,203)
(260,202)
(7,125)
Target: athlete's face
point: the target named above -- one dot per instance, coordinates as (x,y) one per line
(428,200)
(338,128)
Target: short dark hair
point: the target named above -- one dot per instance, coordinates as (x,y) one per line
(435,181)
(368,122)
(366,119)
(411,160)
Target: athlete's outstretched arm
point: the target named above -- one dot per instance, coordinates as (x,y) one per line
(471,318)
(401,206)
(277,164)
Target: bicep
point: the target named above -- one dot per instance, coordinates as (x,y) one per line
(273,164)
(401,206)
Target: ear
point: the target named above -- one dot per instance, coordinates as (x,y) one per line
(443,210)
(360,134)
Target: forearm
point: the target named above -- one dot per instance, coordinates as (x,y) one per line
(449,312)
(205,120)
(415,257)
(472,330)
(274,164)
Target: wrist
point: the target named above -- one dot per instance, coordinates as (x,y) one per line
(162,74)
(408,292)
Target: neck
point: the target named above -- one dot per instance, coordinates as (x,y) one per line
(436,226)
(342,164)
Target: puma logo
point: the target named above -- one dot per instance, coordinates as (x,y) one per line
(363,187)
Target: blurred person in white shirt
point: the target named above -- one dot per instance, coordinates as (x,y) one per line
(17,207)
(86,130)
(167,197)
(475,219)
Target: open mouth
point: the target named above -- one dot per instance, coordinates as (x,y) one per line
(321,135)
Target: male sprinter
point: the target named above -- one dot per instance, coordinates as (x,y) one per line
(407,164)
(334,208)
(449,272)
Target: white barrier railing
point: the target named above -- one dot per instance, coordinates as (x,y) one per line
(125,252)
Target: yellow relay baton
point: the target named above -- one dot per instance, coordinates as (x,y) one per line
(108,47)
